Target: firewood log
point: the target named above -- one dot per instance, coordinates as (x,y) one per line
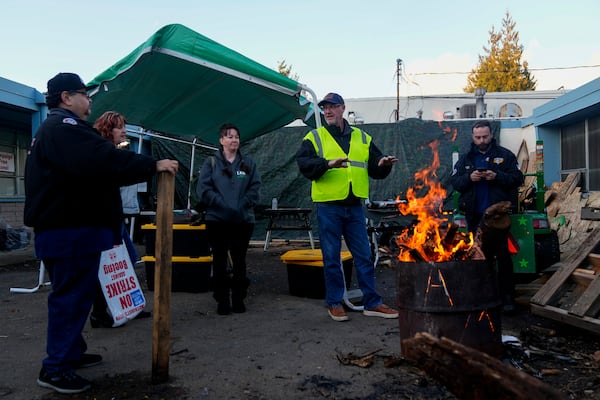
(471,374)
(448,241)
(494,227)
(496,217)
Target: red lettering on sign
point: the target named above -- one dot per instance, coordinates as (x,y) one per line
(126,301)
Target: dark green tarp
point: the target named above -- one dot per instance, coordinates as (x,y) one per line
(408,140)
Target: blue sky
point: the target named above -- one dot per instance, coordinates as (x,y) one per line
(350,46)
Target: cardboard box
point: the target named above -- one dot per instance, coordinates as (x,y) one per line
(305,272)
(188,240)
(188,274)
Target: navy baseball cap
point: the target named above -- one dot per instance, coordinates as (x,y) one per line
(65,81)
(332,98)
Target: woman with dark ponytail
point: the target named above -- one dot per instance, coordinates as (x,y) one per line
(229,188)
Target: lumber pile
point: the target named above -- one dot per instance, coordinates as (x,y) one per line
(572,294)
(564,202)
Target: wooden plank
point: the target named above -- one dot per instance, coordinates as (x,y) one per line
(573,202)
(529,181)
(587,299)
(553,268)
(550,196)
(551,287)
(161,334)
(523,156)
(586,273)
(568,295)
(594,260)
(584,226)
(563,316)
(593,199)
(527,288)
(570,183)
(583,277)
(553,208)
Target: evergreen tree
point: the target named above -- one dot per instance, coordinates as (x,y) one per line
(501,68)
(286,70)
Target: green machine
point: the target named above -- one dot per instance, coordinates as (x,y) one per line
(532,242)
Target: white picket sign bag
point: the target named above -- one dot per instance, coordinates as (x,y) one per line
(120,285)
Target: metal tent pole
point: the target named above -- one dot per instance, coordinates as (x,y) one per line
(191,174)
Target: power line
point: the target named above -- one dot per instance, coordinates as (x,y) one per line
(529,69)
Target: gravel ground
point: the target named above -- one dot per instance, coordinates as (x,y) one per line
(283,347)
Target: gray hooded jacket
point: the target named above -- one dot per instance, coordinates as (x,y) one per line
(229,191)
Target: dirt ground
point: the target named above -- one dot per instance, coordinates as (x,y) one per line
(283,347)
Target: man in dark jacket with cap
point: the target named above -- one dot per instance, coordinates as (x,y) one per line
(72,201)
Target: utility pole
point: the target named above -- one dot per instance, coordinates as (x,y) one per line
(398,69)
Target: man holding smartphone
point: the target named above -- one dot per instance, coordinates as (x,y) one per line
(488,174)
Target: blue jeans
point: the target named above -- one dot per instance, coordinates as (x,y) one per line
(349,221)
(131,250)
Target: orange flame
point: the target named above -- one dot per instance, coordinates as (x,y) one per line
(425,237)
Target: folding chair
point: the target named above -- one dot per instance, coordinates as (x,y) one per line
(41,282)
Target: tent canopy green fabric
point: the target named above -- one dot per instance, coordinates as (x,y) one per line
(184,84)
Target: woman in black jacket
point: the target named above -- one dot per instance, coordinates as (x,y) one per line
(229,187)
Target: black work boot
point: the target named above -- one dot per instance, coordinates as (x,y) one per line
(222,293)
(223,308)
(239,291)
(222,296)
(238,306)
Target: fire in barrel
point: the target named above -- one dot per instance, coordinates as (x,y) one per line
(444,284)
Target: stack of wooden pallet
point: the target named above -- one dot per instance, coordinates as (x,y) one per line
(569,291)
(572,294)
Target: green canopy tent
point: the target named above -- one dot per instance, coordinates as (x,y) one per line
(181,84)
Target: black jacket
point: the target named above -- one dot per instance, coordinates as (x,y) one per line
(73,175)
(505,187)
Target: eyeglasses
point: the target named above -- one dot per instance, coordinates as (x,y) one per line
(81,92)
(330,107)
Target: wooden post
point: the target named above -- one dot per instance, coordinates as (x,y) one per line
(161,334)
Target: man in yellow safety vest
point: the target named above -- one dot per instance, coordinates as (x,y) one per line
(339,159)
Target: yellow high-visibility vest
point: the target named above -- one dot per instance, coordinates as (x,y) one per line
(336,182)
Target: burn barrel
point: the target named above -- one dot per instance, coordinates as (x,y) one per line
(458,300)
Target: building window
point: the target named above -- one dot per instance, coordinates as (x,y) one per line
(594,152)
(580,152)
(13,153)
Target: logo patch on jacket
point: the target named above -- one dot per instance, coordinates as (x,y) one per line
(498,160)
(69,121)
